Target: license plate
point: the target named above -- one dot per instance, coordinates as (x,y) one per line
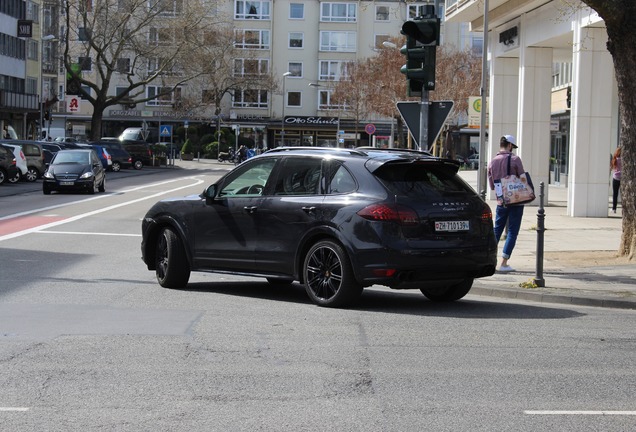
(452,226)
(67,183)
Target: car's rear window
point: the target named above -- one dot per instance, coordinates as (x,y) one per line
(421,180)
(30,150)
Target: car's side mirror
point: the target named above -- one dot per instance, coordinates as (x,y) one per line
(210,193)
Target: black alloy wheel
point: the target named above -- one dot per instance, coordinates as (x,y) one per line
(172,268)
(3,176)
(329,279)
(450,293)
(15,178)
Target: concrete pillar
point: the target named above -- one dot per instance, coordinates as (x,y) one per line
(592,123)
(502,103)
(535,90)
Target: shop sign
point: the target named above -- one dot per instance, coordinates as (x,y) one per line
(302,120)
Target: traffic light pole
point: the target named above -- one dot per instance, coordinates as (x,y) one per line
(423,138)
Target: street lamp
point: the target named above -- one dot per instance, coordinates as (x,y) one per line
(282,132)
(337,118)
(47,38)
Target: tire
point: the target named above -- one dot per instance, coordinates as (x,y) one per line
(280,281)
(116,166)
(172,268)
(3,176)
(93,189)
(328,275)
(138,164)
(102,187)
(15,178)
(449,294)
(32,174)
(46,191)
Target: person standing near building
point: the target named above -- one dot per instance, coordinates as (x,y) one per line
(510,214)
(616,166)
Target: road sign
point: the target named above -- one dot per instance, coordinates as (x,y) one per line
(166,131)
(370,128)
(437,114)
(186,124)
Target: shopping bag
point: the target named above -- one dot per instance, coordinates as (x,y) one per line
(514,189)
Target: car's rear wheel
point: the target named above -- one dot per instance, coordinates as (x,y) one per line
(32,174)
(3,176)
(138,164)
(15,178)
(171,264)
(450,293)
(329,279)
(116,166)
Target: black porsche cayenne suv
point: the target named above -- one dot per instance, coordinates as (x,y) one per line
(336,220)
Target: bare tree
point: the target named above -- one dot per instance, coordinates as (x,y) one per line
(130,43)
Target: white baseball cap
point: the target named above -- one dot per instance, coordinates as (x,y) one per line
(511,140)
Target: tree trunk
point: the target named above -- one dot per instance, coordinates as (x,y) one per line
(622,46)
(96,123)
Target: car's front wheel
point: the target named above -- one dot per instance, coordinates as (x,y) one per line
(328,275)
(102,186)
(450,293)
(171,264)
(32,174)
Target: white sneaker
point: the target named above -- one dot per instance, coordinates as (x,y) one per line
(505,269)
(614,211)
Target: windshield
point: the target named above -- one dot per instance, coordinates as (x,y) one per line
(71,157)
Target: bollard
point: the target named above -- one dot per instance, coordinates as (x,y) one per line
(538,280)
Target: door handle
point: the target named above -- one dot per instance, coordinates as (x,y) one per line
(250,209)
(309,210)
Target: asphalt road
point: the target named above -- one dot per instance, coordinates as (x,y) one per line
(89,341)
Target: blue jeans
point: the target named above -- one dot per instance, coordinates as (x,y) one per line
(512,215)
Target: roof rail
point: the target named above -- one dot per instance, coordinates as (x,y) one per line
(395,149)
(323,149)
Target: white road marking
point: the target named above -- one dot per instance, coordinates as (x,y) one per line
(92,213)
(89,233)
(99,197)
(627,413)
(14,409)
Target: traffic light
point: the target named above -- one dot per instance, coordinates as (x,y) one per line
(422,38)
(73,84)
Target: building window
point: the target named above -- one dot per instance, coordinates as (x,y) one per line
(325,102)
(477,45)
(33,12)
(382,13)
(169,7)
(32,85)
(416,10)
(252,39)
(341,41)
(332,70)
(162,96)
(252,9)
(123,65)
(296,69)
(250,99)
(33,50)
(161,36)
(293,99)
(379,39)
(85,63)
(296,39)
(338,12)
(83,34)
(296,11)
(251,67)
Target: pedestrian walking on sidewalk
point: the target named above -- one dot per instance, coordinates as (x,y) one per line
(506,214)
(616,166)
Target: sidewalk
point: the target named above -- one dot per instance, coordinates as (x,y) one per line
(580,263)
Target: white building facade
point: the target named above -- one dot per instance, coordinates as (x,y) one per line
(552,85)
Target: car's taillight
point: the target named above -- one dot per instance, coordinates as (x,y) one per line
(390,213)
(486,214)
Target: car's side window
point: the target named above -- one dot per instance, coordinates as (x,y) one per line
(342,181)
(250,181)
(299,176)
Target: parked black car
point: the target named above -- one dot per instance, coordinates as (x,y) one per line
(8,167)
(119,156)
(34,154)
(336,220)
(140,152)
(75,170)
